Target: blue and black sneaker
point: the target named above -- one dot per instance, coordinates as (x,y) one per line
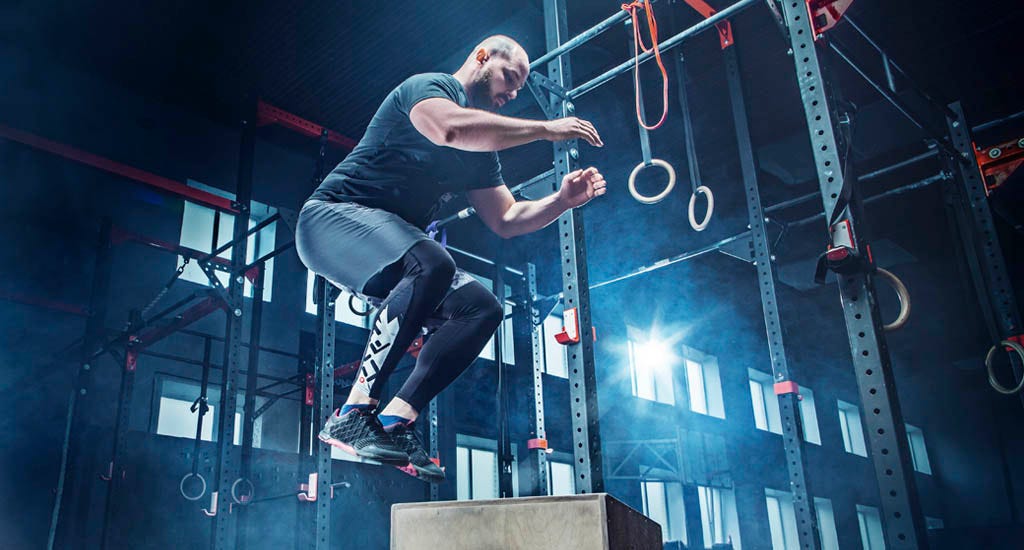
(419,465)
(360,433)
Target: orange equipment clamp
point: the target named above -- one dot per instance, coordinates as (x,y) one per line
(570,328)
(537,443)
(998,162)
(1018,339)
(788,386)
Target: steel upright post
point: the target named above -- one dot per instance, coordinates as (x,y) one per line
(324,376)
(902,519)
(586,433)
(249,407)
(531,322)
(981,240)
(786,389)
(224,524)
(70,490)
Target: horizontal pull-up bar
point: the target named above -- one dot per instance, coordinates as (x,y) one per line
(580,39)
(664,46)
(661,263)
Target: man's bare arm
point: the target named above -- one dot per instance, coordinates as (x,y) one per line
(507,218)
(445,123)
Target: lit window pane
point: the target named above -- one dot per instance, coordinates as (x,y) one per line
(560,478)
(485,474)
(554,353)
(757,399)
(176,419)
(462,474)
(695,383)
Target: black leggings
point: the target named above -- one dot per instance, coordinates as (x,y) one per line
(414,291)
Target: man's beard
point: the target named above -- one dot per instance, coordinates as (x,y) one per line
(479,93)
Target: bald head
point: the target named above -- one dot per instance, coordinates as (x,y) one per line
(494,72)
(503,46)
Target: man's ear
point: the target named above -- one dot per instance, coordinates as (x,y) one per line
(481,55)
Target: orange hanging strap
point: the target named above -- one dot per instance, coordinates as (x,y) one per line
(652,26)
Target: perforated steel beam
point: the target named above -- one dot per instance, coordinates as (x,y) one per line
(902,519)
(322,408)
(586,433)
(789,406)
(977,228)
(224,535)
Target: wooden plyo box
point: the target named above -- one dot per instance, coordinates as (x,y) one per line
(583,522)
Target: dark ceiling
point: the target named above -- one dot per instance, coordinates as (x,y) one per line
(331,62)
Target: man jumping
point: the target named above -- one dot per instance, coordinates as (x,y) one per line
(363,230)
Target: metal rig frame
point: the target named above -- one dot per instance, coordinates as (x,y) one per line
(804,27)
(803,22)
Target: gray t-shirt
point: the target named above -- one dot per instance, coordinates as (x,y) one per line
(395,168)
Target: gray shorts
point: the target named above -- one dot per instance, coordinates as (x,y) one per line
(348,243)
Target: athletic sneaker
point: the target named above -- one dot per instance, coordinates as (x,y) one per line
(359,433)
(419,465)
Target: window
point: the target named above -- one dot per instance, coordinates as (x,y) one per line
(853,430)
(918,451)
(477,468)
(782,520)
(766,403)
(555,361)
(718,516)
(933,523)
(767,415)
(508,342)
(174,417)
(870,528)
(342,310)
(651,372)
(204,229)
(663,503)
(809,417)
(560,477)
(826,524)
(703,385)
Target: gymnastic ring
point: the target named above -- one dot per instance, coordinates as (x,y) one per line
(903,294)
(234,493)
(991,375)
(660,196)
(711,208)
(181,486)
(352,307)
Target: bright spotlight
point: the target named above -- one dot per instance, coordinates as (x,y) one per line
(655,354)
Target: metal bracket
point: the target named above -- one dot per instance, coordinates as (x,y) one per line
(209,269)
(543,88)
(741,249)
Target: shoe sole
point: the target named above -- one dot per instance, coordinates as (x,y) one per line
(394,461)
(420,474)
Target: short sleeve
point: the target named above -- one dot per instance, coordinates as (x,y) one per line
(488,171)
(425,86)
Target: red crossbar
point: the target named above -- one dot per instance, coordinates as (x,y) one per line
(45,303)
(268,114)
(96,161)
(184,319)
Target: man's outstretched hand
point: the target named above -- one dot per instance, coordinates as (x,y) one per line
(580,186)
(562,129)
